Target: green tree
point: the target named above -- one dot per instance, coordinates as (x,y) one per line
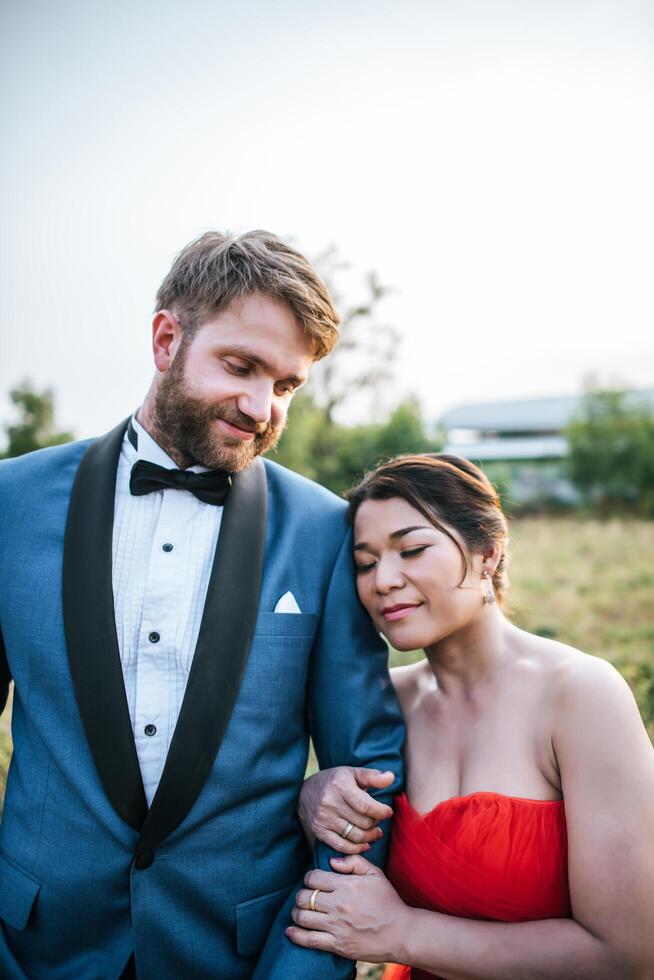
(297,447)
(405,432)
(611,451)
(363,359)
(35,428)
(337,455)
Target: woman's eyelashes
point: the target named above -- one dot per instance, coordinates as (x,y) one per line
(364,567)
(412,552)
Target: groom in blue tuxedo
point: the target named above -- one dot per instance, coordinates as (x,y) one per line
(179,617)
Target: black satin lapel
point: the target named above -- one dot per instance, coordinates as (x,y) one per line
(220,658)
(90,627)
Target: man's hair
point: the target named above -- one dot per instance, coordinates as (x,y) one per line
(216,270)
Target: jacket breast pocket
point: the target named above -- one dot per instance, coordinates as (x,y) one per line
(274,683)
(18,891)
(254,920)
(286,624)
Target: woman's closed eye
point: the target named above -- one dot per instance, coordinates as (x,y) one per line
(367,566)
(412,552)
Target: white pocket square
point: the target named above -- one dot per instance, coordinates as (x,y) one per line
(287,604)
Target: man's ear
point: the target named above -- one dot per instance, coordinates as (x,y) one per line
(166,338)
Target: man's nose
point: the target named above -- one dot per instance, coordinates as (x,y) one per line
(257,402)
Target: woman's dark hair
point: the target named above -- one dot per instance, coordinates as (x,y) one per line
(450,492)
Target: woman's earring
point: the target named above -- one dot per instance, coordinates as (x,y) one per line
(487,588)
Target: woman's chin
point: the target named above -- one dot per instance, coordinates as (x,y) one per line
(405,640)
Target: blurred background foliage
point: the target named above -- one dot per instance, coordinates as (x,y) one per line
(35,427)
(611,453)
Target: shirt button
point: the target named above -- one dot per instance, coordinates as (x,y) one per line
(167,547)
(150,729)
(154,637)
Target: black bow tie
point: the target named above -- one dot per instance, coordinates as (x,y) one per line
(211,487)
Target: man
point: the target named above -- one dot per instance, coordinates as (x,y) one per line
(175,634)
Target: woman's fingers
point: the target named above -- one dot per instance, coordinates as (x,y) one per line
(312,940)
(355,865)
(324,880)
(320,900)
(373,778)
(356,835)
(337,814)
(371,810)
(308,920)
(340,844)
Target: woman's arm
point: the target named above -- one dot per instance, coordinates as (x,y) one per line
(607,768)
(361,916)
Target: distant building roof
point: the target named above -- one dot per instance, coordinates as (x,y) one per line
(525,415)
(530,447)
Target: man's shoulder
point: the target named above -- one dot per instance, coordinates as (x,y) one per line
(41,464)
(296,489)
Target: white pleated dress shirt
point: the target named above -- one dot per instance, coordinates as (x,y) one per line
(163,549)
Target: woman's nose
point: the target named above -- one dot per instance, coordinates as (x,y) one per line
(387,576)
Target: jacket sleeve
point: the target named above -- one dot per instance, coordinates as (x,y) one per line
(5,675)
(355,720)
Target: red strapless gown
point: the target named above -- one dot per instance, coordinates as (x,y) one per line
(482,856)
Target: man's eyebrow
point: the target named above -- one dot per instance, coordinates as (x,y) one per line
(261,362)
(363,545)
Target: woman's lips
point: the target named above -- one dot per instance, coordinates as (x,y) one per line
(233,430)
(398,612)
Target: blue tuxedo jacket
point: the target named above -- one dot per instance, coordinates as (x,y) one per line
(200,885)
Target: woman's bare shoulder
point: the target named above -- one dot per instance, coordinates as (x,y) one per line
(567,672)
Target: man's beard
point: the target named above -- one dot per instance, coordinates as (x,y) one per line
(184,426)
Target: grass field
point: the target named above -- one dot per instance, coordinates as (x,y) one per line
(588,583)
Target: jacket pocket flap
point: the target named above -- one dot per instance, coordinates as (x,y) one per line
(254,920)
(18,890)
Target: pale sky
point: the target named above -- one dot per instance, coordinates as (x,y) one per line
(492,161)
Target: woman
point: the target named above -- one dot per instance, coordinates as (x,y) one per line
(525,844)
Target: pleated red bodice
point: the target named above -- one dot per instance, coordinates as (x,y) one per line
(481,856)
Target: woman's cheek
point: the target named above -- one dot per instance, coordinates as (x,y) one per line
(363,592)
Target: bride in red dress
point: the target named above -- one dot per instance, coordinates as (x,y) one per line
(524,846)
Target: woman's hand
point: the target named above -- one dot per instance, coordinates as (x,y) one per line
(358,914)
(335,807)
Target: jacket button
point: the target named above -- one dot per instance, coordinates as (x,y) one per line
(143,860)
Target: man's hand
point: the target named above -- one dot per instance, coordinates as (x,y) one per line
(336,808)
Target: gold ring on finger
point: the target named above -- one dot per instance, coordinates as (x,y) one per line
(348,830)
(312,900)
